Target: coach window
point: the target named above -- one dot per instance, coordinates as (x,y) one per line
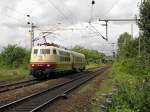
(47,51)
(54,51)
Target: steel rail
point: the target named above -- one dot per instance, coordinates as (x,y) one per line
(17,85)
(64,93)
(12,86)
(33,102)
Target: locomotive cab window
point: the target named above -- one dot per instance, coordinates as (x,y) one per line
(35,51)
(44,51)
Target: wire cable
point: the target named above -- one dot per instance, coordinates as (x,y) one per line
(116,3)
(19,13)
(66,18)
(65,6)
(97,31)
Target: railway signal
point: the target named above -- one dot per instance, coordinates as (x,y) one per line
(31,31)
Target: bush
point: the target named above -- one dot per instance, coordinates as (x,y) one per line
(13,56)
(129,93)
(133,66)
(92,56)
(133,95)
(123,108)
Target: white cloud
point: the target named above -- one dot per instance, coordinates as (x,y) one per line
(14,29)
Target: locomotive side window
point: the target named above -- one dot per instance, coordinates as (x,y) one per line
(62,53)
(64,56)
(47,51)
(54,51)
(78,60)
(35,51)
(44,51)
(64,59)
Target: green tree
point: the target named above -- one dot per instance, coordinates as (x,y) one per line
(132,73)
(144,25)
(124,43)
(14,56)
(90,55)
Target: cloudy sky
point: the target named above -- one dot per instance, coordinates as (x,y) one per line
(68,19)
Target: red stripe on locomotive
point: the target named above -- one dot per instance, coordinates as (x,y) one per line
(43,65)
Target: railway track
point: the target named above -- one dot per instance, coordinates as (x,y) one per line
(12,86)
(2,82)
(17,85)
(38,101)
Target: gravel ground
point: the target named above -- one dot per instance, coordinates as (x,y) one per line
(12,95)
(18,80)
(80,99)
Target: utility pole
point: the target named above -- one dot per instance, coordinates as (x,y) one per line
(31,31)
(132,30)
(106,21)
(106,30)
(113,49)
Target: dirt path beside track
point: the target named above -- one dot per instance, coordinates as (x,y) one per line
(80,99)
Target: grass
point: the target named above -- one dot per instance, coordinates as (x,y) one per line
(92,65)
(7,74)
(106,87)
(13,74)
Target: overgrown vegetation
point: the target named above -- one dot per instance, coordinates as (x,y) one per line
(131,71)
(13,56)
(93,57)
(14,62)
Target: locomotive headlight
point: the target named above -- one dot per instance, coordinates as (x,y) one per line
(48,65)
(32,65)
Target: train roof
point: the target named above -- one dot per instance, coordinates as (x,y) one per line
(77,54)
(59,48)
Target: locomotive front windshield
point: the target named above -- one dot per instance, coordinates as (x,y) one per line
(41,51)
(35,51)
(44,51)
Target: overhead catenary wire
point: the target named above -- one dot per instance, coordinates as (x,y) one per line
(66,18)
(10,17)
(73,15)
(90,20)
(22,15)
(63,15)
(116,20)
(114,5)
(75,18)
(91,17)
(124,20)
(97,31)
(70,19)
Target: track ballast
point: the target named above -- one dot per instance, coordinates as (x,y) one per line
(38,101)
